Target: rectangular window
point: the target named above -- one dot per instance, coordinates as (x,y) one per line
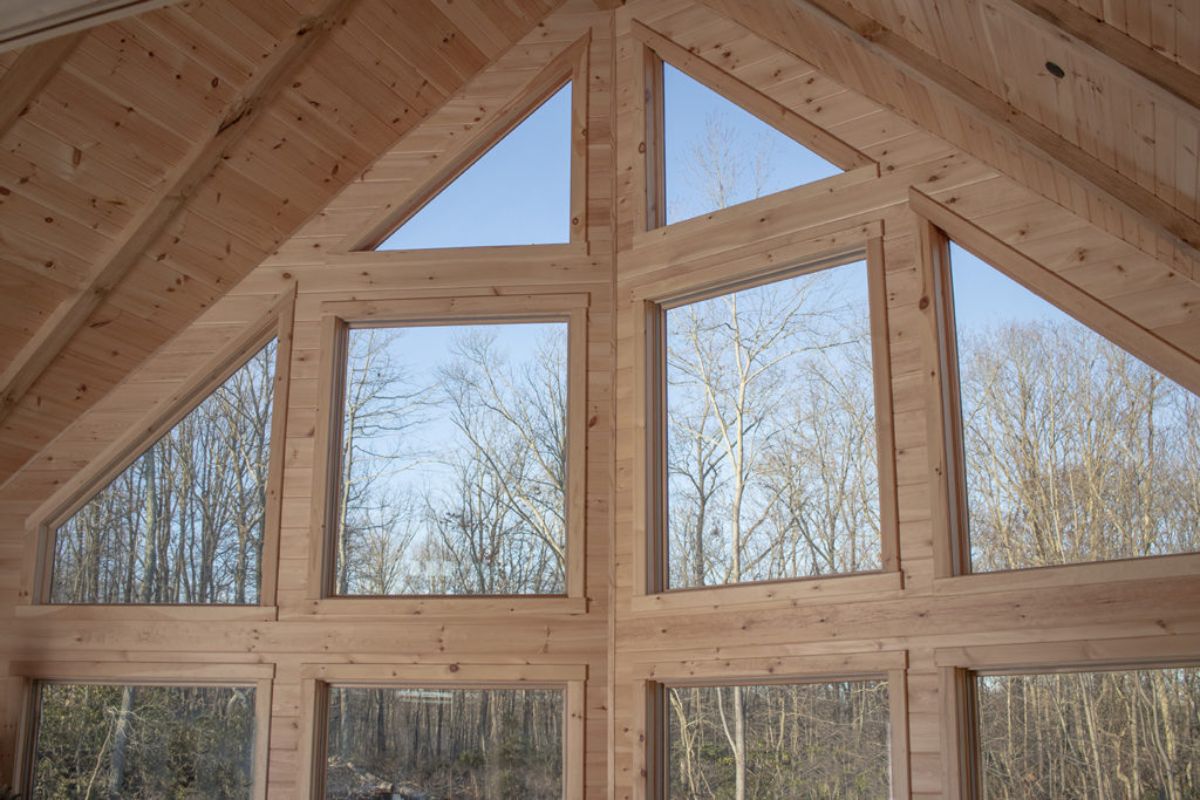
(94,740)
(771,463)
(1129,734)
(778,740)
(185,521)
(453,457)
(444,742)
(1072,449)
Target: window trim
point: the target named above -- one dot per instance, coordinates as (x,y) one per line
(337,317)
(959,667)
(42,525)
(938,226)
(317,678)
(33,674)
(685,284)
(650,679)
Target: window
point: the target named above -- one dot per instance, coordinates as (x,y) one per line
(1129,733)
(778,740)
(771,463)
(444,742)
(716,154)
(453,460)
(184,522)
(150,741)
(517,193)
(1072,449)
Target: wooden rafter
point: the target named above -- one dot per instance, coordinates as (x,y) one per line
(975,101)
(30,73)
(274,77)
(26,23)
(1062,17)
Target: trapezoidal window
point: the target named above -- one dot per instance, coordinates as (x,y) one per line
(716,154)
(769,429)
(453,460)
(411,741)
(820,739)
(1118,733)
(99,740)
(516,193)
(1072,449)
(184,522)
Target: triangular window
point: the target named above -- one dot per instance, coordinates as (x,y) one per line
(516,193)
(1073,450)
(716,154)
(184,522)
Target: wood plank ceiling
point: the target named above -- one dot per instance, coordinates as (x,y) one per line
(147,164)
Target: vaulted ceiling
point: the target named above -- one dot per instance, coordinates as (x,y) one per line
(150,162)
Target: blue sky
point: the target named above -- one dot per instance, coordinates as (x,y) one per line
(519,192)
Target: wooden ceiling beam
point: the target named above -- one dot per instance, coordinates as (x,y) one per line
(1061,17)
(26,23)
(29,74)
(973,100)
(189,175)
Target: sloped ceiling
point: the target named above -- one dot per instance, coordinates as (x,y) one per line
(148,164)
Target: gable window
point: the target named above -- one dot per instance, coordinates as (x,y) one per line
(517,193)
(769,416)
(713,142)
(1072,449)
(184,522)
(716,154)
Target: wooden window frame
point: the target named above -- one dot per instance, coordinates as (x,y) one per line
(960,666)
(316,680)
(33,599)
(652,51)
(651,679)
(938,226)
(33,674)
(569,66)
(337,318)
(685,285)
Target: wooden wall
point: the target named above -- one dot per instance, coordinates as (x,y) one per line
(923,619)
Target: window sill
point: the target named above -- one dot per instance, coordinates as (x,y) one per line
(1130,569)
(145,613)
(774,594)
(375,607)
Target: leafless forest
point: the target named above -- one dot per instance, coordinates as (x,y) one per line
(453,471)
(444,744)
(183,523)
(143,743)
(779,741)
(454,476)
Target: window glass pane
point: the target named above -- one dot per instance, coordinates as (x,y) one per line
(184,522)
(144,742)
(717,154)
(518,192)
(1074,450)
(779,741)
(454,453)
(473,744)
(771,444)
(1133,734)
